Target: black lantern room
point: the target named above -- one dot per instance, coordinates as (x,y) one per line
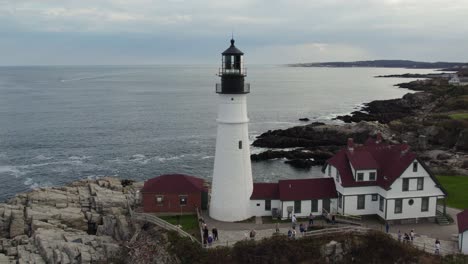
(232,72)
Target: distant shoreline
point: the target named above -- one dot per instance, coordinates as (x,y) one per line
(407,64)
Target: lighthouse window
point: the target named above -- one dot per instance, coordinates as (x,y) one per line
(240,144)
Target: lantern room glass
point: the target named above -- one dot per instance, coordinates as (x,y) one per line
(232,64)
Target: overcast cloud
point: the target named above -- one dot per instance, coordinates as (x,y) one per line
(268,31)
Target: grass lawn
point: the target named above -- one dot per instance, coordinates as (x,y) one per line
(459,116)
(457,188)
(189,223)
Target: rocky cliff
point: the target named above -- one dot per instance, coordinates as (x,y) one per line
(84,222)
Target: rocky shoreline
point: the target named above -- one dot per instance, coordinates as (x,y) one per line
(422,119)
(86,221)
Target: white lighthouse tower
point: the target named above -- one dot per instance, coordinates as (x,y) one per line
(232,175)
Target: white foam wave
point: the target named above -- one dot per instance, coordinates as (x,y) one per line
(42,157)
(28,181)
(79,157)
(12,170)
(207,157)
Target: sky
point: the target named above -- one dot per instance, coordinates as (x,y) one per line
(115,32)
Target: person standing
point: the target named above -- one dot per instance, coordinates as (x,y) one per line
(399,236)
(215,233)
(277,227)
(333,219)
(311,219)
(294,233)
(412,235)
(289,234)
(210,240)
(387,227)
(205,235)
(294,221)
(437,247)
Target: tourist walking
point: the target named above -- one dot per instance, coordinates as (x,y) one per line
(210,240)
(302,229)
(205,235)
(387,227)
(311,219)
(215,233)
(252,234)
(294,233)
(294,221)
(412,235)
(437,247)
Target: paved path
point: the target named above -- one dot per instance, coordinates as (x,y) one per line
(426,233)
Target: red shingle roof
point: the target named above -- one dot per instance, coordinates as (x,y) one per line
(295,190)
(173,183)
(462,221)
(389,160)
(264,190)
(307,189)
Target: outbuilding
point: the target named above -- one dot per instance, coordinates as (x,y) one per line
(462,220)
(174,193)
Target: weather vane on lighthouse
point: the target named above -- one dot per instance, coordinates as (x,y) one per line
(232,183)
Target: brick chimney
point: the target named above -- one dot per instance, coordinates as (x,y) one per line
(350,144)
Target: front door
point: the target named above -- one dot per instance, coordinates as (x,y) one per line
(326,204)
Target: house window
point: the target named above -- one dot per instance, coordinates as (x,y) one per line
(240,144)
(360,176)
(424,204)
(420,184)
(405,184)
(267,205)
(381,203)
(361,202)
(159,200)
(314,206)
(258,205)
(329,170)
(415,166)
(183,200)
(340,200)
(297,207)
(372,176)
(398,206)
(375,197)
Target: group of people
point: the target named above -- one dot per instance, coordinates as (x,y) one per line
(407,237)
(208,237)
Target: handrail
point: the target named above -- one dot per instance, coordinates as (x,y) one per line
(163,224)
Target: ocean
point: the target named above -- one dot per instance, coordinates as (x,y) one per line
(63,123)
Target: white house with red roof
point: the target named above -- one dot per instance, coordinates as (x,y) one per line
(383,179)
(293,197)
(462,221)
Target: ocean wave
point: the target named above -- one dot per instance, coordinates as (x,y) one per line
(42,157)
(207,157)
(142,159)
(12,170)
(79,157)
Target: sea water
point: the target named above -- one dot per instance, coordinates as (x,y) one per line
(63,123)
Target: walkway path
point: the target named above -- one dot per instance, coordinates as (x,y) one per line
(426,233)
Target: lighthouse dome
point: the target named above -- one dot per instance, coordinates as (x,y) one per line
(232,50)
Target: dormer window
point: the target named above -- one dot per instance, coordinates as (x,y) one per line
(360,176)
(372,176)
(415,167)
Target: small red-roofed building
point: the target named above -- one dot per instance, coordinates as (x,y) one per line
(298,197)
(383,179)
(173,193)
(462,221)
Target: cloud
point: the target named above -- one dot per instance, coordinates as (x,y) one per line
(301,29)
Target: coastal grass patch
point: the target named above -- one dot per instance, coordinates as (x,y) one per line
(189,223)
(456,187)
(459,116)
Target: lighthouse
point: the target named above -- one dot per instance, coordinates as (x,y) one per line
(232,183)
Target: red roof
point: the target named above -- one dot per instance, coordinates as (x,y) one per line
(174,183)
(389,160)
(295,190)
(462,221)
(307,189)
(264,190)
